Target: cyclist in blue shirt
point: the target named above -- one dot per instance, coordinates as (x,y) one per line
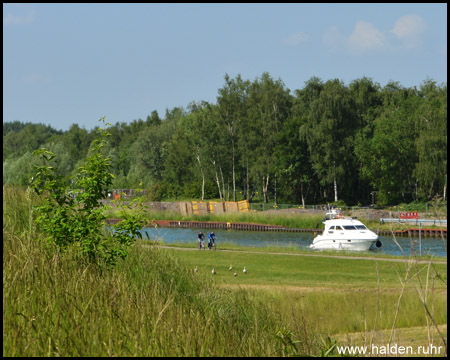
(211,240)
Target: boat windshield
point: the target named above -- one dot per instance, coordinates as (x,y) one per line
(349,227)
(361,227)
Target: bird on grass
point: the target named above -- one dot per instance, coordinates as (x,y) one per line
(235,273)
(213,271)
(196,270)
(230,268)
(245,270)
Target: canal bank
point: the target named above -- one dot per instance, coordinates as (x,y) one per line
(412,232)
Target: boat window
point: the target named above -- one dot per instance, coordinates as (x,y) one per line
(339,228)
(349,227)
(361,227)
(332,227)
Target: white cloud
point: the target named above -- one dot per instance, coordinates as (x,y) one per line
(409,26)
(408,29)
(406,34)
(366,37)
(296,39)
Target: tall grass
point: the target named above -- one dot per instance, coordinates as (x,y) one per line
(353,311)
(151,304)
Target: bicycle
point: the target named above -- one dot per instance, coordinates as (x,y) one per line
(212,243)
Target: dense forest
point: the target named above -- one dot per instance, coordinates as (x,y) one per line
(328,142)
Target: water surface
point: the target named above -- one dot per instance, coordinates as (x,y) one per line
(429,245)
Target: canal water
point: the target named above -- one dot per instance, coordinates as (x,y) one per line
(429,245)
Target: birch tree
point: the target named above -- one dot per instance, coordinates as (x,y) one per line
(231,103)
(329,132)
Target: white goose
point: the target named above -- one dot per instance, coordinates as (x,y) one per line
(245,270)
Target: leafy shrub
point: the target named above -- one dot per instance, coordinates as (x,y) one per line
(77,217)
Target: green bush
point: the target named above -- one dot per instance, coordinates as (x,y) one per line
(77,217)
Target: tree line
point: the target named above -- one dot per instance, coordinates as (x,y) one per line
(327,142)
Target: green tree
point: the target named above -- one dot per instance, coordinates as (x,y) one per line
(20,138)
(153,119)
(389,156)
(77,141)
(232,108)
(293,162)
(201,128)
(150,152)
(368,104)
(329,131)
(179,165)
(431,142)
(269,105)
(18,170)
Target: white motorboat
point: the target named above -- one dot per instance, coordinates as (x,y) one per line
(344,233)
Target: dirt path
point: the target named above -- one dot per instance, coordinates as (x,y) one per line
(317,255)
(316,289)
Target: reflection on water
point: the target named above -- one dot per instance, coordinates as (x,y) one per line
(429,245)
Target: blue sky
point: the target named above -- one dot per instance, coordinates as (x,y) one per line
(74,63)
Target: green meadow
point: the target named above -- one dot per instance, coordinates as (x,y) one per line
(334,295)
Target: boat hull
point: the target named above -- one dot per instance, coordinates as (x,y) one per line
(341,244)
